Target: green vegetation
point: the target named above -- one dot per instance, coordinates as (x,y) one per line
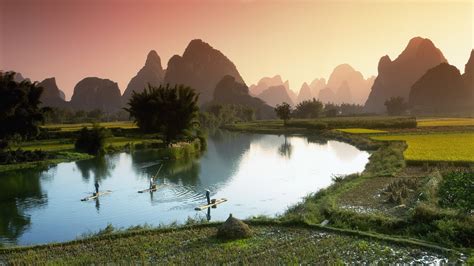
(308,109)
(445,122)
(170,110)
(92,140)
(283,111)
(307,125)
(19,107)
(396,106)
(436,147)
(79,126)
(270,244)
(456,191)
(361,130)
(217,115)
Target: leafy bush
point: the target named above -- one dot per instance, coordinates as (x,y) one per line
(92,140)
(457,191)
(21,156)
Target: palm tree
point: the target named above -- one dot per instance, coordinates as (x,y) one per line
(170,110)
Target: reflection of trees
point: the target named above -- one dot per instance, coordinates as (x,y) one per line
(99,166)
(317,139)
(285,149)
(184,171)
(19,191)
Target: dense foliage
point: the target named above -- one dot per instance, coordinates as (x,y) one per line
(396,106)
(216,115)
(92,140)
(20,113)
(283,111)
(457,191)
(308,109)
(22,156)
(170,110)
(65,115)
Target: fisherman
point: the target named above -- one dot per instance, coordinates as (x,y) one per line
(96,187)
(208,196)
(152,183)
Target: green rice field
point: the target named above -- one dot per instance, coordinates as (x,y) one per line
(444,122)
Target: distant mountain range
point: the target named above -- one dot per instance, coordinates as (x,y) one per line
(420,74)
(345,85)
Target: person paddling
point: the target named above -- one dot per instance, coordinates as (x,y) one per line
(152,183)
(96,188)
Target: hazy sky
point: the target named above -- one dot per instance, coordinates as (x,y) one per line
(301,40)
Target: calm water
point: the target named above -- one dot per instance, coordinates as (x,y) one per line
(258,174)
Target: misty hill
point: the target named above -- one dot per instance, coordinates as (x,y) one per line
(305,93)
(443,89)
(276,95)
(201,67)
(151,73)
(357,88)
(395,78)
(326,95)
(52,96)
(229,91)
(96,93)
(267,82)
(316,86)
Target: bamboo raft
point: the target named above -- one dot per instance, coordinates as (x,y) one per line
(95,196)
(213,203)
(149,190)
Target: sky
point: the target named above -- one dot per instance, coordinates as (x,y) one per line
(300,40)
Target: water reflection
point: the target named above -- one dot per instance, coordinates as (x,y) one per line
(18,194)
(258,174)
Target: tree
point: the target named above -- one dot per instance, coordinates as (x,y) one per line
(91,141)
(396,106)
(20,113)
(170,110)
(308,109)
(283,111)
(331,110)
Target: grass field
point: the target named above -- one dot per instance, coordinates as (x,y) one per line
(68,144)
(439,147)
(270,244)
(443,122)
(361,130)
(76,127)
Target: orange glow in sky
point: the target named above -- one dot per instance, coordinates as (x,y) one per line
(300,40)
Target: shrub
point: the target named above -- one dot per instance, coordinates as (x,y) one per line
(92,140)
(456,191)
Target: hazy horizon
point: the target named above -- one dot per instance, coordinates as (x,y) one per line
(74,39)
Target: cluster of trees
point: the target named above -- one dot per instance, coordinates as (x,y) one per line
(20,114)
(314,109)
(171,110)
(65,115)
(396,106)
(216,115)
(91,141)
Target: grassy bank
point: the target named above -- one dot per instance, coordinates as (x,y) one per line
(271,243)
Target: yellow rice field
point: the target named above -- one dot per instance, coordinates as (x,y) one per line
(360,130)
(442,147)
(445,122)
(79,126)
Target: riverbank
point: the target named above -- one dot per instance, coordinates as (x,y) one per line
(58,142)
(271,243)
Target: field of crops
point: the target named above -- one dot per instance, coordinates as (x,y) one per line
(361,130)
(439,147)
(68,144)
(268,245)
(444,122)
(76,127)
